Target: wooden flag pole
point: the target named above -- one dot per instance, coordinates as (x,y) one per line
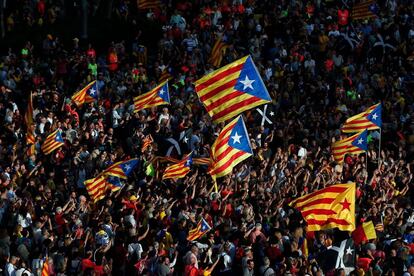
(379,150)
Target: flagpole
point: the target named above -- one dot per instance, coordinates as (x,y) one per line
(379,150)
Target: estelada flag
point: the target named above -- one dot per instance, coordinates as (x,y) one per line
(330,207)
(364,232)
(53,142)
(232,89)
(231,147)
(369,119)
(179,170)
(158,96)
(88,94)
(354,144)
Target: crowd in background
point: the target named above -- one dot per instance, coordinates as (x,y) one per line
(318,68)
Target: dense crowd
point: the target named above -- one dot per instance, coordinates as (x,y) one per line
(319,68)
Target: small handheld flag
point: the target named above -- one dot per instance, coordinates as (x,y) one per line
(199,231)
(53,142)
(158,96)
(88,94)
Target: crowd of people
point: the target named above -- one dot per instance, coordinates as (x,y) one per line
(319,66)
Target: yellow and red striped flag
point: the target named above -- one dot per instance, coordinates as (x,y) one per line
(96,188)
(121,169)
(88,94)
(328,208)
(231,147)
(46,269)
(217,52)
(30,142)
(369,119)
(199,231)
(148,4)
(364,232)
(352,145)
(179,170)
(53,142)
(158,96)
(146,142)
(364,10)
(28,116)
(232,89)
(165,75)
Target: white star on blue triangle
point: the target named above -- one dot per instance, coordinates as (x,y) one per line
(375,116)
(59,137)
(250,82)
(93,91)
(163,93)
(128,166)
(204,226)
(361,141)
(239,137)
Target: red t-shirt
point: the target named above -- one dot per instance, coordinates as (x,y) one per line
(86,263)
(191,270)
(343,17)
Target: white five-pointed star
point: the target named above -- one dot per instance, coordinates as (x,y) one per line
(185,139)
(92,91)
(349,251)
(188,163)
(271,113)
(127,167)
(161,91)
(236,138)
(247,83)
(374,116)
(360,141)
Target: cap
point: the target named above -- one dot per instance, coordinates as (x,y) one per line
(132,198)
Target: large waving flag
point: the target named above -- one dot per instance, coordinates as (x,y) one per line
(28,116)
(88,94)
(158,96)
(199,231)
(328,208)
(355,144)
(231,147)
(369,119)
(96,188)
(53,142)
(179,170)
(232,89)
(121,169)
(217,52)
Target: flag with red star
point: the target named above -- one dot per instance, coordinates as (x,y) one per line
(330,207)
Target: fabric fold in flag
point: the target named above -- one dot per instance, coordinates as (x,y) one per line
(232,89)
(364,232)
(96,188)
(199,231)
(370,119)
(179,170)
(28,115)
(217,52)
(354,144)
(53,142)
(331,207)
(158,96)
(231,147)
(88,94)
